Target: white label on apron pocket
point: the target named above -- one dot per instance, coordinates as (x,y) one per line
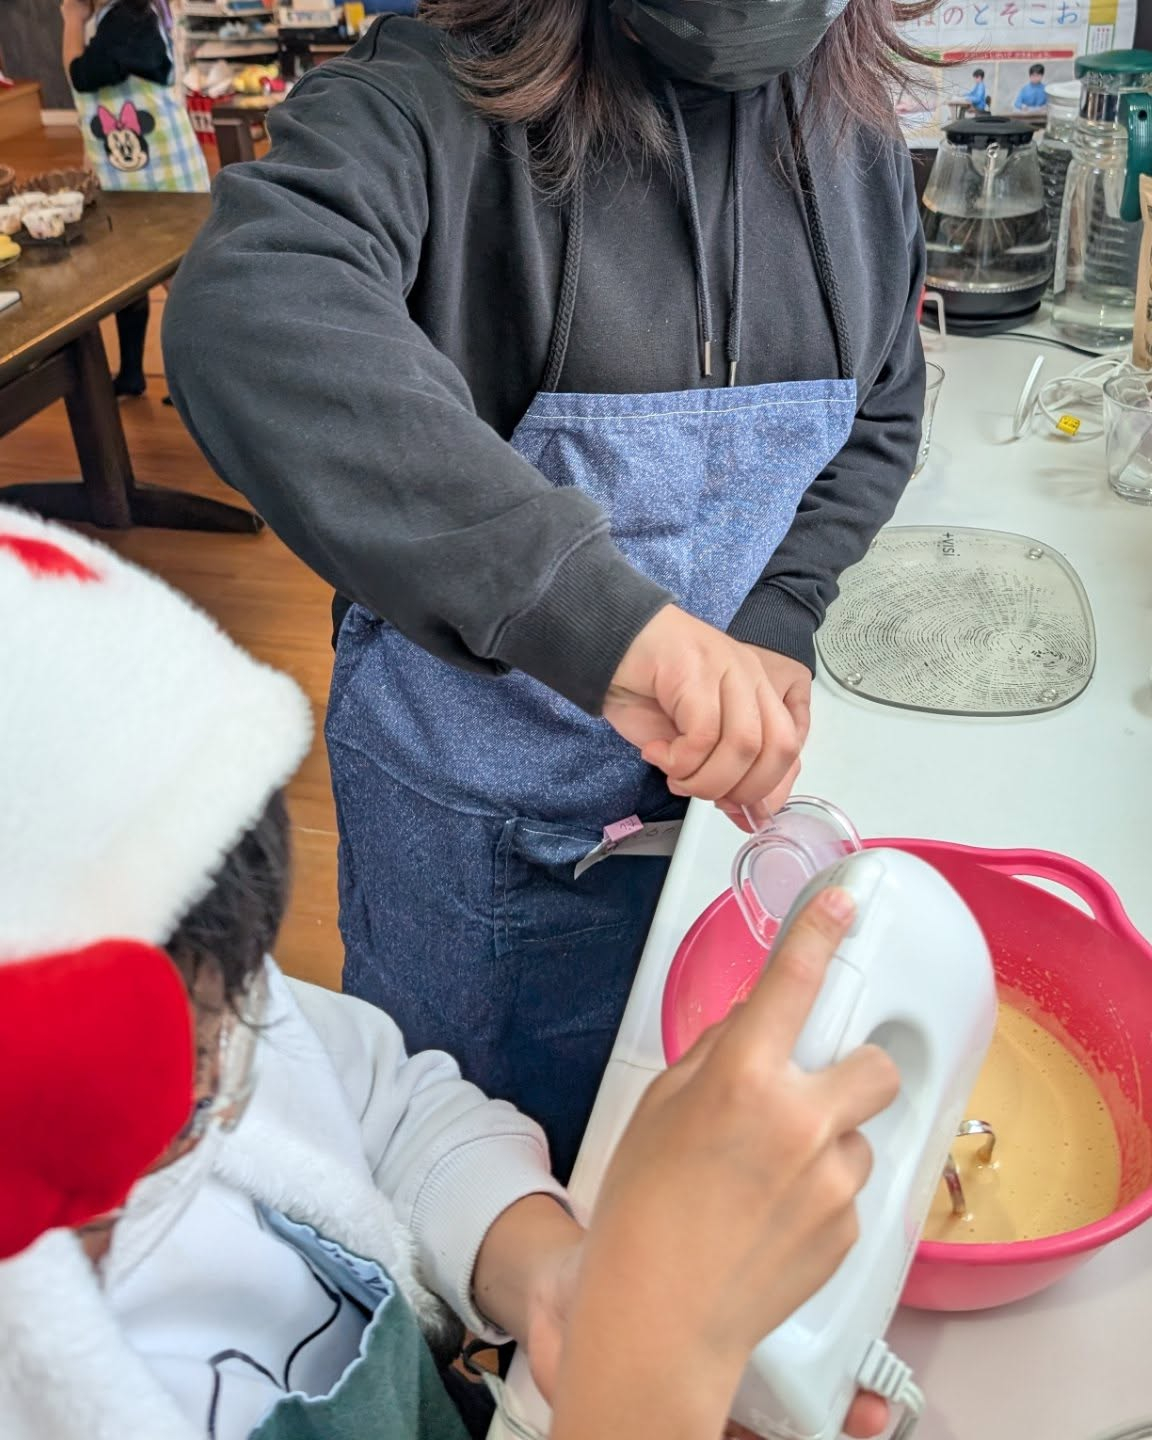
(659,838)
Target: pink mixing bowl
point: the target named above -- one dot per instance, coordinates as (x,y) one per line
(1087,978)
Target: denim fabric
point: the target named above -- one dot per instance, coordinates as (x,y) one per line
(472,934)
(465,802)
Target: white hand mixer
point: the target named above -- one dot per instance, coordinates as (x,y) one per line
(915,977)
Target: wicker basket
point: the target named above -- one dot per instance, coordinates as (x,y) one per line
(7,181)
(52,181)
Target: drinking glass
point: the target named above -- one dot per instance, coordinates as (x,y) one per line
(1128,426)
(934,379)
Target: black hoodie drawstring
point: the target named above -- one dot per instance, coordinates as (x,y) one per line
(814,222)
(700,256)
(736,171)
(736,185)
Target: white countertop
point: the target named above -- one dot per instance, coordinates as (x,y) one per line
(1073,1363)
(1078,780)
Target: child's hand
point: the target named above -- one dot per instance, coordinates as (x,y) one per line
(730,1202)
(547,1329)
(549,1314)
(737,1179)
(525,1280)
(547,1324)
(867,1418)
(76,9)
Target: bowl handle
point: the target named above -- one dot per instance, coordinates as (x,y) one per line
(1103,902)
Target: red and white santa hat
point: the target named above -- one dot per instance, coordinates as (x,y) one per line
(137,744)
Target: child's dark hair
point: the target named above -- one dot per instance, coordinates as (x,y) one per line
(236,923)
(1036,70)
(978,74)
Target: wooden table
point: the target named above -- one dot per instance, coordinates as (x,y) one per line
(51,349)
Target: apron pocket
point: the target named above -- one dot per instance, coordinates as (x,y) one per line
(575,943)
(538,897)
(539,900)
(570,949)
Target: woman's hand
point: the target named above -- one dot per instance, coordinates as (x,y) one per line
(549,1312)
(792,682)
(701,707)
(730,1202)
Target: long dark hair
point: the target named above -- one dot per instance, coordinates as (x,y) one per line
(563,68)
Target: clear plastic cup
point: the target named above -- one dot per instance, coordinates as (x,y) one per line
(1128,428)
(799,842)
(934,379)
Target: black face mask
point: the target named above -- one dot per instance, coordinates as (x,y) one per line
(728,44)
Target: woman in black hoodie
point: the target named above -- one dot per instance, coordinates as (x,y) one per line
(574,343)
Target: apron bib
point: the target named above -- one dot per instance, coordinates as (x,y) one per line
(700,486)
(137,136)
(465,803)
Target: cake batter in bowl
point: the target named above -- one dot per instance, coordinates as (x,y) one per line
(1074,969)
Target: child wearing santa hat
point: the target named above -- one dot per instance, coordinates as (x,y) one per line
(231,1205)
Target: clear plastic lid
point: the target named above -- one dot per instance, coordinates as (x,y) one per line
(798,843)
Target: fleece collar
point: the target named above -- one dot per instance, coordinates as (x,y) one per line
(66,1371)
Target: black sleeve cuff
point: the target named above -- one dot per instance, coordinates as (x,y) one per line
(574,638)
(774,619)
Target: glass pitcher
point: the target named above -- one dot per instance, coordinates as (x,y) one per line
(986,225)
(1054,149)
(1094,287)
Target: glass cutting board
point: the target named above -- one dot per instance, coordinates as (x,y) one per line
(961,622)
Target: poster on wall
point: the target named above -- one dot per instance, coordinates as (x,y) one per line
(998,56)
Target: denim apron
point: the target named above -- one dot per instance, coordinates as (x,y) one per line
(464,803)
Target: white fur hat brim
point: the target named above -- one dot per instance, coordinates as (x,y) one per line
(137,744)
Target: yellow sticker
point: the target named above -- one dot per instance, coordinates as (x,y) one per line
(1068,424)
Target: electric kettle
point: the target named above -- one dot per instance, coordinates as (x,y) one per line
(990,249)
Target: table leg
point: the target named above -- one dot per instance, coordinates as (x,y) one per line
(234,140)
(99,436)
(159,508)
(109,496)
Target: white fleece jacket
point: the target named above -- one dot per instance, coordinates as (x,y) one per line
(392,1156)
